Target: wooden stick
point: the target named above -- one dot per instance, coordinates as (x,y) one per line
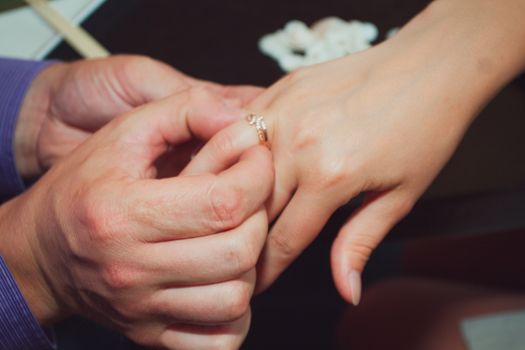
(77,37)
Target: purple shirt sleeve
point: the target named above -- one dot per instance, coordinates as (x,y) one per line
(15,78)
(18,328)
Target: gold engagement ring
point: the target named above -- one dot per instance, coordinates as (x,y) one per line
(260,126)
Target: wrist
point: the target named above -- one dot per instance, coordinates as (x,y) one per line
(484,36)
(35,109)
(489,33)
(461,51)
(17,234)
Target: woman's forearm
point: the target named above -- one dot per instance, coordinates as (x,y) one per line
(470,49)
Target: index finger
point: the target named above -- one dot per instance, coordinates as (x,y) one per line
(192,206)
(223,149)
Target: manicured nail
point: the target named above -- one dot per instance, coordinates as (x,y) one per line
(354,279)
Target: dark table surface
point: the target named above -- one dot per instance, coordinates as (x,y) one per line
(481,190)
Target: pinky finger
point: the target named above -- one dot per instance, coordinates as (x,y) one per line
(360,235)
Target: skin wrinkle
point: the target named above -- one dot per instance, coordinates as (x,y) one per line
(390,128)
(427,126)
(85,228)
(123,85)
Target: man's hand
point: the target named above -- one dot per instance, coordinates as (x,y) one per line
(68,102)
(169,262)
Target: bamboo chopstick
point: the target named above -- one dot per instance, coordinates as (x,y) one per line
(77,37)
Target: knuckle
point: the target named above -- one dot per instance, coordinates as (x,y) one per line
(282,244)
(93,211)
(237,301)
(306,130)
(361,250)
(305,136)
(248,259)
(222,144)
(403,207)
(238,257)
(142,337)
(226,205)
(332,171)
(245,251)
(133,64)
(134,68)
(224,342)
(118,277)
(139,60)
(89,211)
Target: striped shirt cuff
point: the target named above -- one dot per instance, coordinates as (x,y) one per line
(18,327)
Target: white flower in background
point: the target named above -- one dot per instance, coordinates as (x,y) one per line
(297,45)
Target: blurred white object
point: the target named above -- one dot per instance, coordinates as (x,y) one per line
(392,32)
(23,34)
(297,45)
(77,37)
(299,35)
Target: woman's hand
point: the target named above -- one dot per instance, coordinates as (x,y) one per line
(383,122)
(68,102)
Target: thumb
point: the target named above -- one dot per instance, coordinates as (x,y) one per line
(241,94)
(142,79)
(148,131)
(360,235)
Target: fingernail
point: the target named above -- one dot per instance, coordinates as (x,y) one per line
(354,280)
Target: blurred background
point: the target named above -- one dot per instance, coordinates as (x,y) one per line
(472,214)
